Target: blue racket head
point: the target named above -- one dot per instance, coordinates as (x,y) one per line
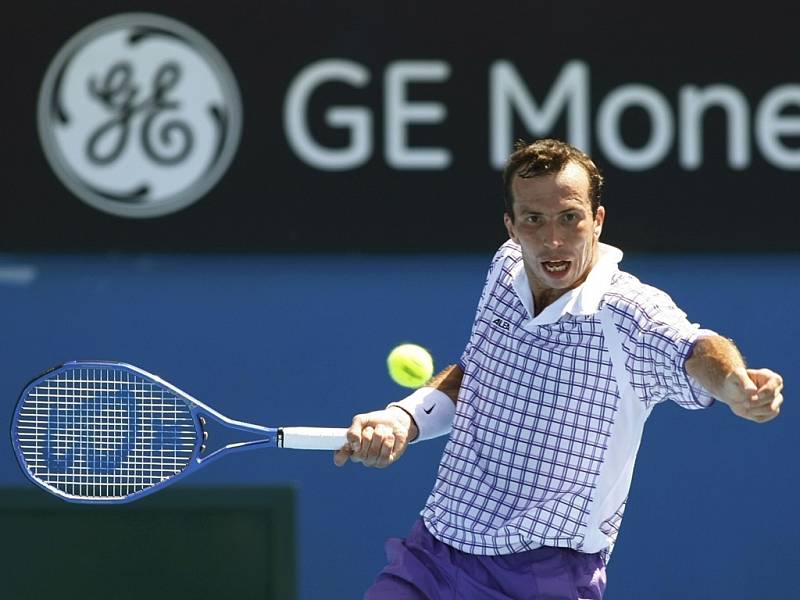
(103,432)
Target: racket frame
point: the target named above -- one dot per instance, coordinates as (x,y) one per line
(271,437)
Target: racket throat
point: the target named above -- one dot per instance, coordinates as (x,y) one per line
(225,437)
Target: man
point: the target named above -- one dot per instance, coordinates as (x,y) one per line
(545,409)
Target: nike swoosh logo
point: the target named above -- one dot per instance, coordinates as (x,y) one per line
(429,410)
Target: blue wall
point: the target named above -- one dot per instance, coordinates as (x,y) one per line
(301,340)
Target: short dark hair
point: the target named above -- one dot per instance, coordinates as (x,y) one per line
(544,157)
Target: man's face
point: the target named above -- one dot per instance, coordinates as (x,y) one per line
(553,224)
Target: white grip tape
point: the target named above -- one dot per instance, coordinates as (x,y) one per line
(314,438)
(433,412)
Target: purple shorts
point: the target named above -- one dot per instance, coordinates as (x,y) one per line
(421,567)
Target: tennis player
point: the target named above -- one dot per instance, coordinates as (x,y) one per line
(566,359)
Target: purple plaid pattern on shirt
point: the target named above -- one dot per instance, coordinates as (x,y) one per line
(658,339)
(535,410)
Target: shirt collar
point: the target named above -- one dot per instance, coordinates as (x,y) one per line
(582,300)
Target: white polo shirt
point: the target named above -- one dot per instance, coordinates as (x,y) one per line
(551,409)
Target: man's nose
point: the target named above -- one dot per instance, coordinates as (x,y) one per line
(552,236)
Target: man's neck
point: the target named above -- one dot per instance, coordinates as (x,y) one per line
(542,298)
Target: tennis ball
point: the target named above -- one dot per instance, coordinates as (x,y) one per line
(410,365)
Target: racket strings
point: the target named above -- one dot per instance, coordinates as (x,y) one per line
(104,433)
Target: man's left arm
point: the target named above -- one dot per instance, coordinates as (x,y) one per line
(754,394)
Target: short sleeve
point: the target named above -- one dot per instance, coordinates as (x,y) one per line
(658,339)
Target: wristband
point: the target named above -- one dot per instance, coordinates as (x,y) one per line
(432,411)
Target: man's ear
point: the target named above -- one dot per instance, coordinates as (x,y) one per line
(510,227)
(599,218)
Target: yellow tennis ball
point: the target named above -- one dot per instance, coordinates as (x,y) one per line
(410,365)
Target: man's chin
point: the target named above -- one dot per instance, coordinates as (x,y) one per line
(558,279)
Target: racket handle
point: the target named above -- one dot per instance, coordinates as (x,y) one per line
(313,438)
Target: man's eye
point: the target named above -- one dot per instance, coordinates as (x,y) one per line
(532,219)
(570,217)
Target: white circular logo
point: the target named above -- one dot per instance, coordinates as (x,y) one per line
(139,115)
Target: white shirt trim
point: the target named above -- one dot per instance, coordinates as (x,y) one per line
(616,473)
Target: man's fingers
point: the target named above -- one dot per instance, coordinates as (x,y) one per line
(763,398)
(748,385)
(766,378)
(762,413)
(366,454)
(765,411)
(763,418)
(355,432)
(769,385)
(387,449)
(739,388)
(381,443)
(353,445)
(375,439)
(773,386)
(772,409)
(342,455)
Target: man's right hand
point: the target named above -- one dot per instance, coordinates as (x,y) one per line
(378,438)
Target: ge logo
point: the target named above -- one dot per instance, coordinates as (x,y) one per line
(139,115)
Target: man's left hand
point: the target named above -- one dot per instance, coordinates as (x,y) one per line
(753,394)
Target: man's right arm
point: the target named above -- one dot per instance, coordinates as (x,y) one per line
(379,438)
(448,381)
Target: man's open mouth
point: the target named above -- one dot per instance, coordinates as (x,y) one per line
(555,266)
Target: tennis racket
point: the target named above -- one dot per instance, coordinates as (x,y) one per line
(106,432)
